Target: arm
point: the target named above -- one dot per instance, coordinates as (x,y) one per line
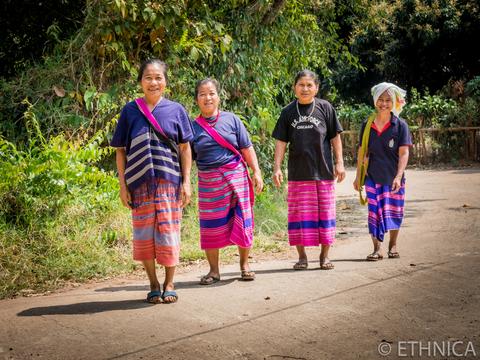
(251,159)
(356,184)
(280,148)
(339,171)
(403,153)
(186,162)
(121,160)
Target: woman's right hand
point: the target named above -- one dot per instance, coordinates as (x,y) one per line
(356,184)
(277,178)
(125,197)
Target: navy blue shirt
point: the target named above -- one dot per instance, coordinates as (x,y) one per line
(149,157)
(208,153)
(383,149)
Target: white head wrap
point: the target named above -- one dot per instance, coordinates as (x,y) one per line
(397,95)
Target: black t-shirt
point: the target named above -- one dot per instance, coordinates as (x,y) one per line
(309,150)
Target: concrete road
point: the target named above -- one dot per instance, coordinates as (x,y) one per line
(424,305)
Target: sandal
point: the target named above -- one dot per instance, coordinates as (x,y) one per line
(375,256)
(169,294)
(301,265)
(247,275)
(209,279)
(153,297)
(328,265)
(393,255)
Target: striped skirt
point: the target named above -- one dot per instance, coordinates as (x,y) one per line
(311,212)
(226,214)
(385,209)
(156,219)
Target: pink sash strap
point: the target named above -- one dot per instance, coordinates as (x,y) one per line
(143,107)
(222,142)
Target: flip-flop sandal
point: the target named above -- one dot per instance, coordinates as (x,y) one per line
(301,265)
(327,265)
(247,275)
(152,295)
(209,280)
(375,256)
(393,255)
(169,293)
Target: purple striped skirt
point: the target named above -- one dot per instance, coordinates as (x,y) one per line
(311,212)
(226,214)
(385,209)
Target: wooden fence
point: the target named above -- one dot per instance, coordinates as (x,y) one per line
(430,145)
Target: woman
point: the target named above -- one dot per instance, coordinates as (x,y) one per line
(387,156)
(222,150)
(311,128)
(153,159)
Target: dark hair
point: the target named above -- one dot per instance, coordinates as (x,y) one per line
(206,81)
(152,62)
(307,73)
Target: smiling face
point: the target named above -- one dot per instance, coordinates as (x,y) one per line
(384,103)
(208,99)
(153,82)
(305,89)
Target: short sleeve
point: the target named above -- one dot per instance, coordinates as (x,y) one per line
(405,138)
(243,140)
(334,127)
(120,134)
(280,132)
(185,131)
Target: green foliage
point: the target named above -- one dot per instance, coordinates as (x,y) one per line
(415,43)
(60,214)
(352,116)
(429,110)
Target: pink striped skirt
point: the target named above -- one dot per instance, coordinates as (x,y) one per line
(156,219)
(311,212)
(226,214)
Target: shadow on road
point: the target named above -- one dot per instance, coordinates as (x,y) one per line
(85,308)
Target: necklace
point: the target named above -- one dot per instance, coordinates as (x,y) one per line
(212,122)
(311,112)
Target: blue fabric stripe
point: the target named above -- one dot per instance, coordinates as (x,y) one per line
(324,224)
(213,223)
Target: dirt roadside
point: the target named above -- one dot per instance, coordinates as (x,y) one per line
(428,299)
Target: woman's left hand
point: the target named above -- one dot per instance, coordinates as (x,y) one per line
(186,194)
(257,182)
(339,172)
(396,184)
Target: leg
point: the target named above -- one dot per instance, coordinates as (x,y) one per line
(302,263)
(149,266)
(247,274)
(377,250)
(392,245)
(325,263)
(168,285)
(214,274)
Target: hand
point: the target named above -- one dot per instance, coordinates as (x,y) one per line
(277,178)
(185,194)
(396,184)
(339,172)
(125,197)
(257,182)
(356,184)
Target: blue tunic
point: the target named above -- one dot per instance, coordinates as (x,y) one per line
(148,157)
(208,153)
